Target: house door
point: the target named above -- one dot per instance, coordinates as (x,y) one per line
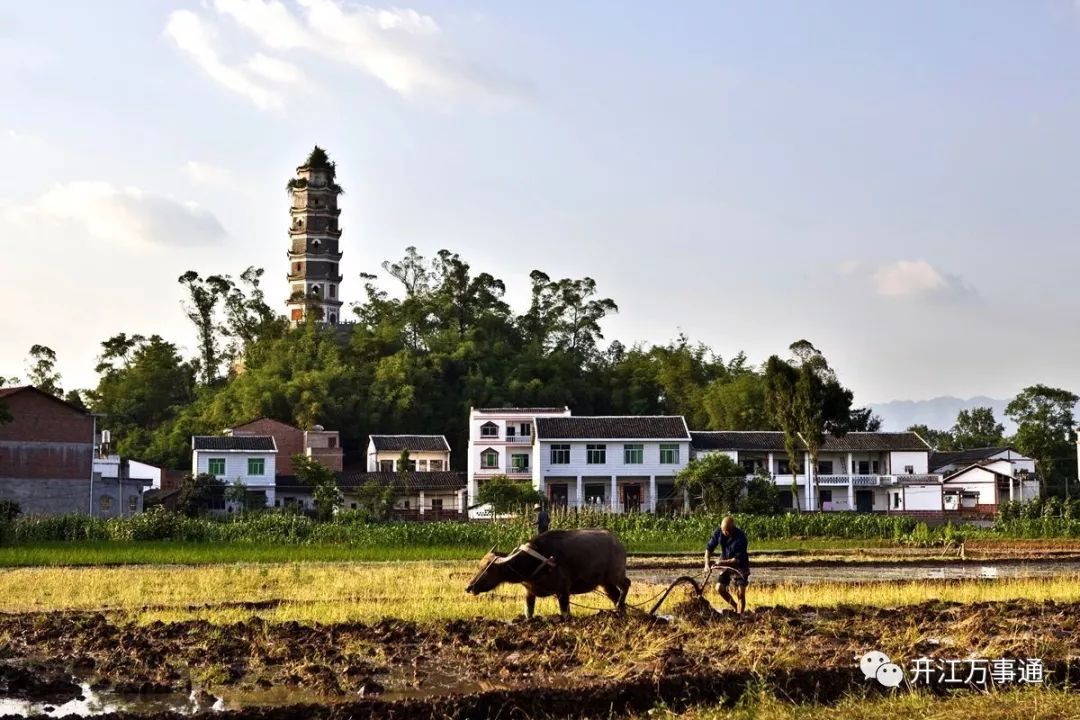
(864,501)
(632,498)
(559,495)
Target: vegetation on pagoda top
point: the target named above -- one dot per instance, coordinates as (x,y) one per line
(317,160)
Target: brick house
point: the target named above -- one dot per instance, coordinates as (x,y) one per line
(46,453)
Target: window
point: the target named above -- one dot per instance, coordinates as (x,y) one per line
(435,465)
(510,432)
(669,454)
(633,454)
(909,469)
(526,429)
(421,465)
(215,466)
(412,466)
(596,454)
(133,503)
(436,504)
(489,430)
(331,442)
(489,459)
(783,467)
(386,466)
(256,466)
(825,467)
(867,467)
(331,291)
(520,462)
(826,496)
(560,454)
(105,503)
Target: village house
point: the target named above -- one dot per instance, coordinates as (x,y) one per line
(417,495)
(978,481)
(861,471)
(619,464)
(501,443)
(425,453)
(250,460)
(47,455)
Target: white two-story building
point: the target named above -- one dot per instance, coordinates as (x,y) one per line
(863,471)
(981,479)
(620,464)
(249,459)
(501,443)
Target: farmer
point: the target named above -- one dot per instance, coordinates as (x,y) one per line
(734,557)
(543,522)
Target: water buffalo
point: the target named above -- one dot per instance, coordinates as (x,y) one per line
(560,563)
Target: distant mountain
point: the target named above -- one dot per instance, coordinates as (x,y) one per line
(939,413)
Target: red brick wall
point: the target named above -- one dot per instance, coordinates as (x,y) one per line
(45,439)
(290,440)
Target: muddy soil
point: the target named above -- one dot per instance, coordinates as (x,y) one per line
(601,666)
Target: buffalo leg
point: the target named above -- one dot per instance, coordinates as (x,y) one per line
(530,605)
(564,604)
(624,587)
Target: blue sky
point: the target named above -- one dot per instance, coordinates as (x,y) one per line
(896,182)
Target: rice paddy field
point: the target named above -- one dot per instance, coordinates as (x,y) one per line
(163,630)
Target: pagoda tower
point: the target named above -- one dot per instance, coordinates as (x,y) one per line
(314,278)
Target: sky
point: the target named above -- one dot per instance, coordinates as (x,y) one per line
(894,181)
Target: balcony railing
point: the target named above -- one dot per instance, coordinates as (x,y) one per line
(873,480)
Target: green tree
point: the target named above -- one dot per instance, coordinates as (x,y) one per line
(762,497)
(42,370)
(977,428)
(781,403)
(506,496)
(237,494)
(714,480)
(822,404)
(939,440)
(197,494)
(1045,430)
(739,403)
(323,484)
(204,296)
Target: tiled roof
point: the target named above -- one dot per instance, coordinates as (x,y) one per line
(764,440)
(640,427)
(875,442)
(9,391)
(434,480)
(774,441)
(963,458)
(420,443)
(250,443)
(520,410)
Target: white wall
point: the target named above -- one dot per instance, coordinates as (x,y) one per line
(920,461)
(615,465)
(977,480)
(236,467)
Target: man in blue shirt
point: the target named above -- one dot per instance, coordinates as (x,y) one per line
(734,557)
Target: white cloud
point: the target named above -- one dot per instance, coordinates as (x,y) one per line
(917,279)
(402,48)
(126,216)
(207,175)
(196,39)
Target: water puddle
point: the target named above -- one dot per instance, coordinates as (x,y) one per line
(894,572)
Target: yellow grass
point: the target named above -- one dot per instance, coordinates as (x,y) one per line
(1022,704)
(421,591)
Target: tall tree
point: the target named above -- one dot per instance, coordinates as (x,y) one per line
(204,295)
(823,405)
(1045,429)
(781,403)
(715,480)
(42,370)
(977,428)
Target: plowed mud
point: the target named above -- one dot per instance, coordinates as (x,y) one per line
(598,666)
